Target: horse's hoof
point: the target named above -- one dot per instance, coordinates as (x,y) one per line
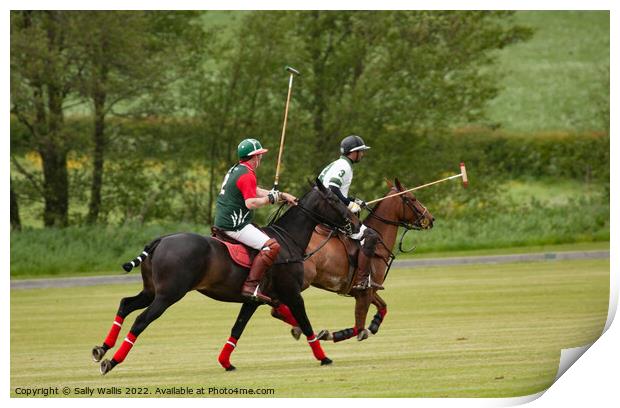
(231,368)
(296,333)
(326,361)
(324,335)
(106,367)
(363,335)
(98,353)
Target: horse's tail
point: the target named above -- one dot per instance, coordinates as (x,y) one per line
(148,250)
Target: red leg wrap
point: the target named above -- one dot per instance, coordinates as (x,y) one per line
(315,345)
(355,331)
(229,347)
(123,350)
(287,315)
(110,341)
(382,312)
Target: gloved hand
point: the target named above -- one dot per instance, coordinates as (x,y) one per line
(360,202)
(274,196)
(354,207)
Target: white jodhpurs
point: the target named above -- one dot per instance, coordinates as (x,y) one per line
(359,235)
(250,236)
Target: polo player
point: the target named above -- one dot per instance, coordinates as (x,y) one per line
(337,176)
(238,198)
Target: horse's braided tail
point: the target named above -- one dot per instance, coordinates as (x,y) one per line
(148,250)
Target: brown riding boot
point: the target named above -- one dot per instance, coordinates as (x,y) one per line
(263,260)
(362,274)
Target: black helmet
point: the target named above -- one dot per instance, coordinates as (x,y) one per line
(352,143)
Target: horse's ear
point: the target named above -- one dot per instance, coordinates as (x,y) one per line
(388,182)
(398,185)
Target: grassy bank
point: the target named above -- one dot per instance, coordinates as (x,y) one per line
(102,249)
(559,79)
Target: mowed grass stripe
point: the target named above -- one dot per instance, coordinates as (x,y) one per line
(467,331)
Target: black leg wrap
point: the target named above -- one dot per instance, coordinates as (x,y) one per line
(114,363)
(105,347)
(376,322)
(342,335)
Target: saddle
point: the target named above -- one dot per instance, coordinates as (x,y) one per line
(351,247)
(239,253)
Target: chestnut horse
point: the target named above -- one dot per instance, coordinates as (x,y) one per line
(176,264)
(327,267)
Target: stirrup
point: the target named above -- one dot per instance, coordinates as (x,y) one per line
(361,285)
(256,295)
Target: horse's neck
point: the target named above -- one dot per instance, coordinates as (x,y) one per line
(297,224)
(388,211)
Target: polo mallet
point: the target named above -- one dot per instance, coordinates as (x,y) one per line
(462,174)
(293,72)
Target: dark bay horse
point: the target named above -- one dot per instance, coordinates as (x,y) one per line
(328,268)
(176,264)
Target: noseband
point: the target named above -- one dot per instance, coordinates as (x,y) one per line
(419,223)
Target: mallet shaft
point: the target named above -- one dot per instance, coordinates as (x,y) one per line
(462,174)
(288,99)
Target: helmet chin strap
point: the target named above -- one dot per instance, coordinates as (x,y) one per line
(357,160)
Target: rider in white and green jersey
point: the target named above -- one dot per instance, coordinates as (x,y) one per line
(337,176)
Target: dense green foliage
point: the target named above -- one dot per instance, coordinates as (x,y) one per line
(425,89)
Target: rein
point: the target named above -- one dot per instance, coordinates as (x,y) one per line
(316,217)
(407,226)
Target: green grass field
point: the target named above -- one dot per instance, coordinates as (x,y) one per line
(468,331)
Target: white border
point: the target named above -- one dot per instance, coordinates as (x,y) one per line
(593,378)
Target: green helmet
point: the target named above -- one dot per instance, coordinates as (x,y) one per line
(250,147)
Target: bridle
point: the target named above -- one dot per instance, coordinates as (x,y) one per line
(344,228)
(419,223)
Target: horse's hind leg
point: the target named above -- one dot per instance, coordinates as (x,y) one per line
(127,305)
(156,308)
(381,312)
(245,314)
(362,303)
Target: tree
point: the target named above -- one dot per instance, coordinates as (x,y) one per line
(123,60)
(378,74)
(43,74)
(16,223)
(130,56)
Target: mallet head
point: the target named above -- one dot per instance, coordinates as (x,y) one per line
(464,174)
(292,70)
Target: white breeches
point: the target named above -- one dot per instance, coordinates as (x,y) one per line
(250,236)
(359,235)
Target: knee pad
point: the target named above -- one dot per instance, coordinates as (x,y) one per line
(370,241)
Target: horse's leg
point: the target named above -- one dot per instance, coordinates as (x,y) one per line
(245,314)
(362,303)
(127,305)
(282,312)
(381,312)
(297,307)
(155,309)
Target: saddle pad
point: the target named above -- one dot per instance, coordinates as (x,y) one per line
(238,253)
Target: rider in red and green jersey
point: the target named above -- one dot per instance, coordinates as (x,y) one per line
(238,197)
